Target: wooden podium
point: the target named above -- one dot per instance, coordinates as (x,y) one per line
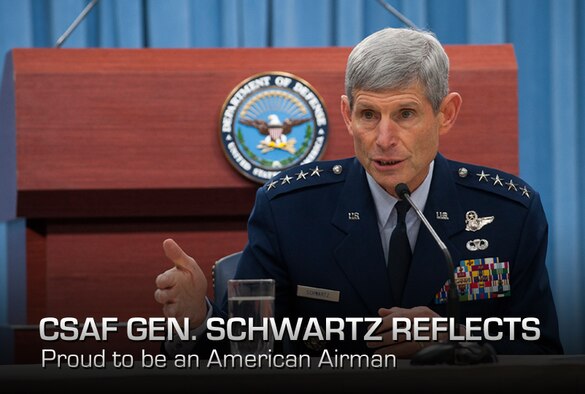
(107,152)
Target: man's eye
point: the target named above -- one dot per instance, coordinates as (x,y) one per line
(406,114)
(368,115)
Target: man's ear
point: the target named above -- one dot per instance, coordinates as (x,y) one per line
(449,110)
(346,113)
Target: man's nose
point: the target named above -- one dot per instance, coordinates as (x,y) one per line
(387,133)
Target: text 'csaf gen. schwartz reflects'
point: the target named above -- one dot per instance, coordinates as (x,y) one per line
(255,333)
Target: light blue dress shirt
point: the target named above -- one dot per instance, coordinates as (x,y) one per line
(384,203)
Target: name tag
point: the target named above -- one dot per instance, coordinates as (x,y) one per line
(317,293)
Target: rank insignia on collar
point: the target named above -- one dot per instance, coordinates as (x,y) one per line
(285,179)
(316,171)
(301,175)
(271,185)
(474,222)
(497,180)
(483,176)
(511,185)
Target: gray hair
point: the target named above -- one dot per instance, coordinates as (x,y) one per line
(397,58)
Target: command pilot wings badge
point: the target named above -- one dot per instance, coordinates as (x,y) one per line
(271,122)
(474,222)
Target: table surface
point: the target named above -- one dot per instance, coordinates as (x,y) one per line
(533,374)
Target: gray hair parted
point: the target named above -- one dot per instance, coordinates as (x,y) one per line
(395,58)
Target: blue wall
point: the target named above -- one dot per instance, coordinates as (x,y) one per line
(549,42)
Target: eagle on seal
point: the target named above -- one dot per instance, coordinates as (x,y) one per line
(274,129)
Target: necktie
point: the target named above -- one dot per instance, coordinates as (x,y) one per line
(399,253)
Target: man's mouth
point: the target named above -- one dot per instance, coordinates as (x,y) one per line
(388,163)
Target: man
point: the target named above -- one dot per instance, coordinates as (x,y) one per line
(332,229)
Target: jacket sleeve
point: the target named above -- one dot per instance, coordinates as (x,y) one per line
(201,346)
(262,256)
(531,291)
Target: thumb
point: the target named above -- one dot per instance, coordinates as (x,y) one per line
(174,252)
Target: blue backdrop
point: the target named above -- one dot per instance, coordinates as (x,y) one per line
(548,40)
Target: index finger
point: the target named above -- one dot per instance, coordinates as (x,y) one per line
(166,280)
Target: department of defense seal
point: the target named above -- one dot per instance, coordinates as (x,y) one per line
(271,122)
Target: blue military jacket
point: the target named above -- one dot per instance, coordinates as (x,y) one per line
(316,226)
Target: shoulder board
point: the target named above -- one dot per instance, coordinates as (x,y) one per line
(493,181)
(307,175)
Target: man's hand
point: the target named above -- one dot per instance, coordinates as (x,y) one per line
(182,289)
(400,348)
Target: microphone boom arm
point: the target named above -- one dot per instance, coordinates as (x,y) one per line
(452,297)
(75,23)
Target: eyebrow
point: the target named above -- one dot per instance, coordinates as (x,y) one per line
(403,104)
(410,103)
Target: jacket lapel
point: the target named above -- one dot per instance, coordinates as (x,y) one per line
(360,253)
(428,270)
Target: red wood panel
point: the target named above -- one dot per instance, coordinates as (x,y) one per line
(486,132)
(136,203)
(114,120)
(36,272)
(108,269)
(122,119)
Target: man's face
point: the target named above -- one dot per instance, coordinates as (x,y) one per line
(396,133)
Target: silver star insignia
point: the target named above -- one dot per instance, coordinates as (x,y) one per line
(511,185)
(483,176)
(316,171)
(286,179)
(272,185)
(497,180)
(302,175)
(525,191)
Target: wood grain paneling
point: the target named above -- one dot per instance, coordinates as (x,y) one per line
(113,121)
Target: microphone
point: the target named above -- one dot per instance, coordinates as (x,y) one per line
(75,23)
(451,352)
